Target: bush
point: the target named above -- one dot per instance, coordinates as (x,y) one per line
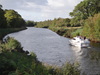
(91,28)
(20,64)
(10,44)
(71,69)
(77,32)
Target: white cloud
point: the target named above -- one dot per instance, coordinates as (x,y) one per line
(58,8)
(41,10)
(55,3)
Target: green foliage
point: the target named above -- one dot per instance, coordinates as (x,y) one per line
(83,10)
(10,44)
(15,63)
(69,32)
(91,28)
(11,19)
(71,69)
(3,22)
(59,26)
(77,32)
(30,23)
(60,22)
(14,19)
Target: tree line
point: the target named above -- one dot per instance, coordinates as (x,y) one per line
(57,22)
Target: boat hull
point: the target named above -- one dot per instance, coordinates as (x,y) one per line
(81,44)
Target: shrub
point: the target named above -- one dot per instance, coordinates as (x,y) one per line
(10,44)
(71,69)
(77,32)
(91,28)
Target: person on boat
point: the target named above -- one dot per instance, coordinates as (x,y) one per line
(84,38)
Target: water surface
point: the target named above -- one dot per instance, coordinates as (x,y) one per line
(53,49)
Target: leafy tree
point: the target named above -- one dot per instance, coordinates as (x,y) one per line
(14,19)
(85,9)
(2,18)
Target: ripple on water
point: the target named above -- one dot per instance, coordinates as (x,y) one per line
(55,50)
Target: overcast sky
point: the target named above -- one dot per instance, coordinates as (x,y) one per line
(40,10)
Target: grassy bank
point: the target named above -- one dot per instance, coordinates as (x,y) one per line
(61,30)
(5,31)
(65,31)
(72,32)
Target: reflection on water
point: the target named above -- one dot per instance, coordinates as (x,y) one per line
(87,65)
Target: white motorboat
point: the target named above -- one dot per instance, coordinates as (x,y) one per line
(80,42)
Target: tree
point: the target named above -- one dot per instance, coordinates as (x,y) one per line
(2,18)
(30,23)
(85,9)
(0,6)
(14,19)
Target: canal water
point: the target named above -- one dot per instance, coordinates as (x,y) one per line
(55,50)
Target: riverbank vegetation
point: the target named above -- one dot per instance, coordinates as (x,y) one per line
(85,16)
(5,31)
(30,23)
(91,28)
(15,61)
(60,26)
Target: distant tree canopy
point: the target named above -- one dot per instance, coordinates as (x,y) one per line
(83,10)
(14,19)
(30,23)
(60,22)
(2,18)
